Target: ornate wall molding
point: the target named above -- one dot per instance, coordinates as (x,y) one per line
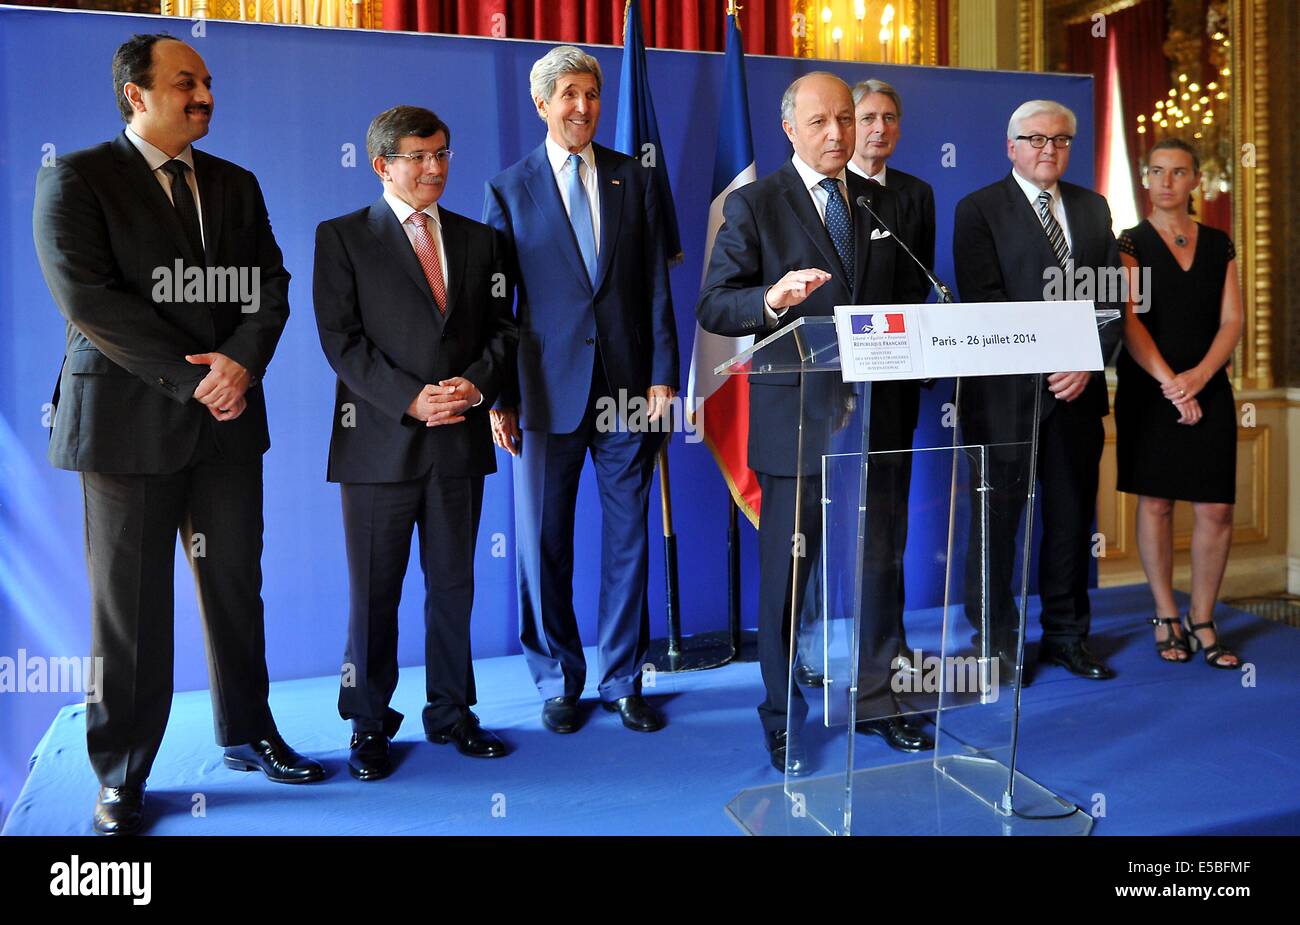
(1032,42)
(1252,212)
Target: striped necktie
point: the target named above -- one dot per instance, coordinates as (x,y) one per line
(1055,236)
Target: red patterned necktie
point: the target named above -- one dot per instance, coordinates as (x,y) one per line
(427,250)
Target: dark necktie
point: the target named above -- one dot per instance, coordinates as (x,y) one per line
(1055,236)
(840,228)
(183,200)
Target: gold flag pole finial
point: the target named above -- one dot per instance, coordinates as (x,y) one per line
(733,9)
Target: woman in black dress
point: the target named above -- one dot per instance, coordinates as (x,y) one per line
(1175,417)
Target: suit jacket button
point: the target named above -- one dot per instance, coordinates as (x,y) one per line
(590,341)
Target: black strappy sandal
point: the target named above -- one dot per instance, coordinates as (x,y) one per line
(1215,654)
(1178,643)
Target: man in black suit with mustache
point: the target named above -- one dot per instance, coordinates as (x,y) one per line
(413,312)
(795,244)
(1009,240)
(159,406)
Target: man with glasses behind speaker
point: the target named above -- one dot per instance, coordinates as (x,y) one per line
(1008,240)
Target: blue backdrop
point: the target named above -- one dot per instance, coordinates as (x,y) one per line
(292,105)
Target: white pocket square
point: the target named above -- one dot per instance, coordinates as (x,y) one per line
(878,233)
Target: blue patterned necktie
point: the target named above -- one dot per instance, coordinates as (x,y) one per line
(580,217)
(840,228)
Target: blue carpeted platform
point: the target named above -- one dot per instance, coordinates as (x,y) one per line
(1173,749)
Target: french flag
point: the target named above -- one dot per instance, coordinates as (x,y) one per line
(726,423)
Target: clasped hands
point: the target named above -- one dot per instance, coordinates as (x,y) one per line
(444,403)
(222,390)
(1182,390)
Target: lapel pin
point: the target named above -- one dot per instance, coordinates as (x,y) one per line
(616,182)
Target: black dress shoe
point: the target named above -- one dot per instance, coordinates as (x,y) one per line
(636,713)
(561,714)
(471,739)
(276,760)
(1075,658)
(898,733)
(786,758)
(369,757)
(119,810)
(806,677)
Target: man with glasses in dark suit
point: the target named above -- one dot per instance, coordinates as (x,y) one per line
(412,313)
(1009,239)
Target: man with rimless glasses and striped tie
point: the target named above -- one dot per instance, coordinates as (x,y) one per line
(412,315)
(1009,240)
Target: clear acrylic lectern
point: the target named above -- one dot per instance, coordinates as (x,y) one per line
(950,658)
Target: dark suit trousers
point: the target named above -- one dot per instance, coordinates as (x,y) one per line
(1069,454)
(377,521)
(785,582)
(131,527)
(546,494)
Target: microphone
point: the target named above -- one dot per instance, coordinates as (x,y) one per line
(945,294)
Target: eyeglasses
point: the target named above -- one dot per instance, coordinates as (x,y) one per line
(426,158)
(1040,141)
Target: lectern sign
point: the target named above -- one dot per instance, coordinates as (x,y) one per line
(881,342)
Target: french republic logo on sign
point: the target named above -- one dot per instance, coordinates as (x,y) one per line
(879,323)
(877,345)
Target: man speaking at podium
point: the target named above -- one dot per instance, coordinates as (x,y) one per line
(795,244)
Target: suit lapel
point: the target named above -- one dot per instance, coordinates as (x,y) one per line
(1077,219)
(138,176)
(385,226)
(863,224)
(611,211)
(546,196)
(453,241)
(211,195)
(1023,215)
(800,202)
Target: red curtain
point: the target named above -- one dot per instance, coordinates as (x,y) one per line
(1093,54)
(1139,33)
(692,25)
(1130,53)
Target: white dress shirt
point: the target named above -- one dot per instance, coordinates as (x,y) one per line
(562,167)
(1057,207)
(879,178)
(155,157)
(812,183)
(403,211)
